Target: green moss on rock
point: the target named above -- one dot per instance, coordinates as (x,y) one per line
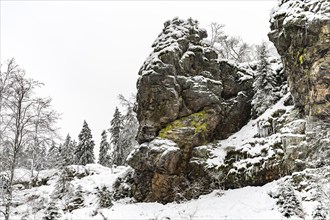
(196,121)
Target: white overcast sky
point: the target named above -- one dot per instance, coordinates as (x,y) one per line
(88,52)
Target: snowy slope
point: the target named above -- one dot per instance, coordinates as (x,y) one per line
(244,203)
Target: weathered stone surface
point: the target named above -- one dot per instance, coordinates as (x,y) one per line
(182,76)
(300,30)
(186,95)
(160,155)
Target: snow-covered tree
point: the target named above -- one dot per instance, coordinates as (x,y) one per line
(25,119)
(52,156)
(104,195)
(287,201)
(85,148)
(104,154)
(265,85)
(116,125)
(68,149)
(130,127)
(77,200)
(123,131)
(52,212)
(63,185)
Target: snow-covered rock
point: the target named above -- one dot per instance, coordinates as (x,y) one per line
(300,32)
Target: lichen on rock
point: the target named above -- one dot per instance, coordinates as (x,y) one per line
(300,30)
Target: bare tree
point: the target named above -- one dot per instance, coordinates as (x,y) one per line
(25,119)
(229,47)
(217,33)
(5,85)
(42,134)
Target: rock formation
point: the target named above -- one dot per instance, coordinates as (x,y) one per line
(185,94)
(188,99)
(300,31)
(182,76)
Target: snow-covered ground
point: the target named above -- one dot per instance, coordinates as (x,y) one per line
(244,203)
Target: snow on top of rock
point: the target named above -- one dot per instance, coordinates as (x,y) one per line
(242,139)
(163,145)
(244,77)
(298,10)
(177,36)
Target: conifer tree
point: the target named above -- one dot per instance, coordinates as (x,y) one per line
(264,85)
(85,148)
(104,154)
(52,212)
(67,151)
(115,129)
(63,185)
(104,197)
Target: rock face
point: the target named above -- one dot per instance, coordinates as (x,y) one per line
(182,76)
(300,31)
(185,94)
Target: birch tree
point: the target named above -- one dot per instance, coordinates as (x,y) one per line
(25,118)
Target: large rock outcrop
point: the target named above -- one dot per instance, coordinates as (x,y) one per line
(185,94)
(182,76)
(300,30)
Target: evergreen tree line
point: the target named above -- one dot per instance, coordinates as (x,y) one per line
(113,150)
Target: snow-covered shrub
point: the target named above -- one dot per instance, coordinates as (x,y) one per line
(319,213)
(52,212)
(104,196)
(77,201)
(122,185)
(287,201)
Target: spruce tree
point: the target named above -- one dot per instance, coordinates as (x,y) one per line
(67,151)
(52,156)
(264,85)
(58,158)
(85,148)
(115,129)
(63,185)
(104,157)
